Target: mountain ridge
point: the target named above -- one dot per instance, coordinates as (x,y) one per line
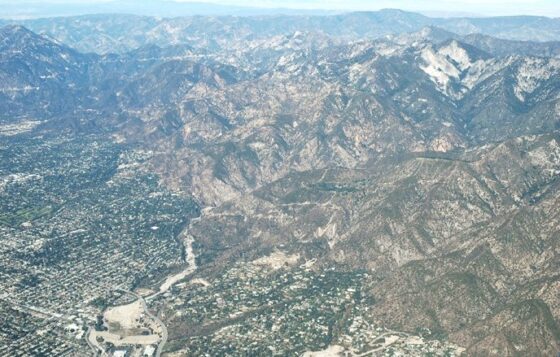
(110,33)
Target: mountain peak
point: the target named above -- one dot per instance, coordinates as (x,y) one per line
(14,30)
(453,46)
(19,39)
(436,34)
(392,11)
(18,36)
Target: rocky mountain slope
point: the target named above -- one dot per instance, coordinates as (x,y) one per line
(430,160)
(250,115)
(472,237)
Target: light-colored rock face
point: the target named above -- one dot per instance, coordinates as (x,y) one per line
(439,68)
(454,71)
(457,55)
(531,73)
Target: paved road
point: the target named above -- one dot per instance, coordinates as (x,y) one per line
(91,345)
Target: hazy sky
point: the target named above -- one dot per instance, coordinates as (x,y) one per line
(487,7)
(481,7)
(472,6)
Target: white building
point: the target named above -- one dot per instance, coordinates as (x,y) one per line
(149,351)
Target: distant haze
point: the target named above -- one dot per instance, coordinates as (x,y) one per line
(440,8)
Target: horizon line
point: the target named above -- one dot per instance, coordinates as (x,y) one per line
(319,12)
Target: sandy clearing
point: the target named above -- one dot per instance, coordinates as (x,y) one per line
(200,281)
(414,340)
(331,351)
(129,340)
(277,260)
(125,315)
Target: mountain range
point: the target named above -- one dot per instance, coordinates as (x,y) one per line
(105,33)
(424,151)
